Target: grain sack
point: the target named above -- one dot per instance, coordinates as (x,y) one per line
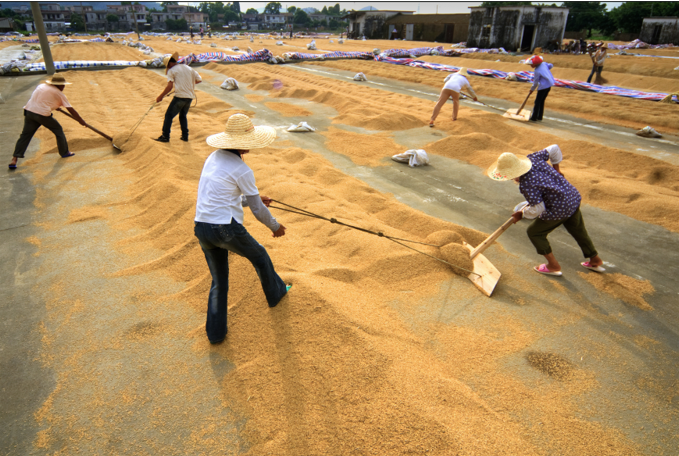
(414,157)
(229,84)
(360,77)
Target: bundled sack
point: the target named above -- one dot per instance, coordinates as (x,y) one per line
(331,41)
(249,50)
(311,46)
(340,41)
(278,43)
(511,77)
(179,40)
(252,40)
(301,127)
(235,49)
(414,157)
(169,38)
(376,51)
(229,84)
(648,132)
(213,45)
(360,77)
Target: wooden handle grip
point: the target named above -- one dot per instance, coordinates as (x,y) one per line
(87,125)
(490,239)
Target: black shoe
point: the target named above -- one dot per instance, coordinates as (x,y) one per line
(162,138)
(185,138)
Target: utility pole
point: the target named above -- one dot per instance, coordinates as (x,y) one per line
(84,16)
(44,43)
(136,25)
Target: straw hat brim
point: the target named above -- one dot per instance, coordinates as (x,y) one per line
(261,136)
(59,83)
(522,167)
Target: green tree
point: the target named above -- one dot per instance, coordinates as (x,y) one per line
(252,11)
(292,9)
(336,9)
(273,8)
(77,22)
(334,23)
(112,18)
(7,12)
(301,17)
(629,16)
(179,24)
(324,10)
(585,16)
(495,4)
(165,5)
(235,7)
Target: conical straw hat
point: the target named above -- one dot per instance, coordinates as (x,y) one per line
(509,166)
(241,134)
(166,60)
(58,79)
(462,71)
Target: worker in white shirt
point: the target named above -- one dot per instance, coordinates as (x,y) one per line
(598,60)
(454,83)
(38,113)
(182,79)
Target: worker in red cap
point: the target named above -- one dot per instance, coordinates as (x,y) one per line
(543,81)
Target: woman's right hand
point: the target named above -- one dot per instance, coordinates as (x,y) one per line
(280,232)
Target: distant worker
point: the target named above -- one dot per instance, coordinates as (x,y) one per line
(551,200)
(394,34)
(182,79)
(201,33)
(226,185)
(38,113)
(209,31)
(543,82)
(598,60)
(454,84)
(191,31)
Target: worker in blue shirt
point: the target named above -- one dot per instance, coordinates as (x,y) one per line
(543,81)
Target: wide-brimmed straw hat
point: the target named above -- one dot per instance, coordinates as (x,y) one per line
(509,166)
(241,134)
(58,80)
(462,71)
(166,60)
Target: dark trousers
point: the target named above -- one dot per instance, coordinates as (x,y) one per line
(177,106)
(32,122)
(216,242)
(597,70)
(575,225)
(539,106)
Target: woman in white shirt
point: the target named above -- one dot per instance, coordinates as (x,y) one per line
(226,185)
(454,84)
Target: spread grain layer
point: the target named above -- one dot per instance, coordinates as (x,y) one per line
(334,369)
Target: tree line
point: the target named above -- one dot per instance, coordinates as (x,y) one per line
(590,16)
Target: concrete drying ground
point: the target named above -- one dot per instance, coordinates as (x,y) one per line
(448,189)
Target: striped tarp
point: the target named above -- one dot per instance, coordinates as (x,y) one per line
(416,52)
(71,64)
(527,76)
(330,55)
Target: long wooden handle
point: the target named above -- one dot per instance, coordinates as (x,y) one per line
(490,239)
(524,104)
(87,125)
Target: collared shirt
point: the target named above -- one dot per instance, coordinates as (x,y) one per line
(542,77)
(45,99)
(543,184)
(224,181)
(184,78)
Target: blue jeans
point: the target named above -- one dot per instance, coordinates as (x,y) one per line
(177,106)
(216,242)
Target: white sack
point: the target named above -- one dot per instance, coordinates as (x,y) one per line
(414,157)
(229,84)
(302,126)
(360,77)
